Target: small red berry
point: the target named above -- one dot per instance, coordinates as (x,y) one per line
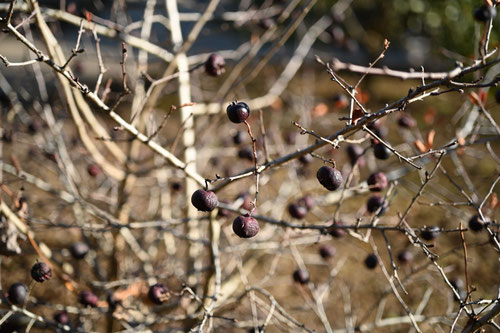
(41,272)
(245,226)
(88,298)
(215,65)
(329,177)
(204,201)
(301,276)
(158,293)
(238,112)
(377,181)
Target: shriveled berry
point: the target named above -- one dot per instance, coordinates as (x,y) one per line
(475,223)
(297,211)
(246,153)
(381,152)
(307,201)
(215,65)
(88,298)
(327,251)
(355,153)
(405,257)
(41,272)
(484,13)
(430,233)
(406,121)
(301,276)
(329,177)
(238,112)
(158,293)
(79,250)
(371,261)
(17,293)
(377,181)
(204,201)
(336,232)
(93,170)
(374,203)
(245,226)
(247,201)
(62,317)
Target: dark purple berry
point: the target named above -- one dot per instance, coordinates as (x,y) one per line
(246,153)
(158,293)
(484,13)
(79,250)
(61,318)
(34,126)
(93,170)
(497,96)
(327,251)
(406,121)
(336,232)
(307,201)
(238,138)
(17,293)
(377,181)
(430,233)
(381,152)
(371,261)
(338,35)
(215,65)
(245,226)
(205,201)
(238,112)
(297,211)
(405,257)
(329,177)
(305,159)
(41,272)
(374,203)
(355,152)
(301,276)
(176,186)
(475,223)
(88,298)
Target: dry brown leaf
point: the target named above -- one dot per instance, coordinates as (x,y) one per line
(493,201)
(320,110)
(356,115)
(420,146)
(429,142)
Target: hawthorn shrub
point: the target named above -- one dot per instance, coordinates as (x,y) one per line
(154,179)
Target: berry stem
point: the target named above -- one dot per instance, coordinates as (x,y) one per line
(257,174)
